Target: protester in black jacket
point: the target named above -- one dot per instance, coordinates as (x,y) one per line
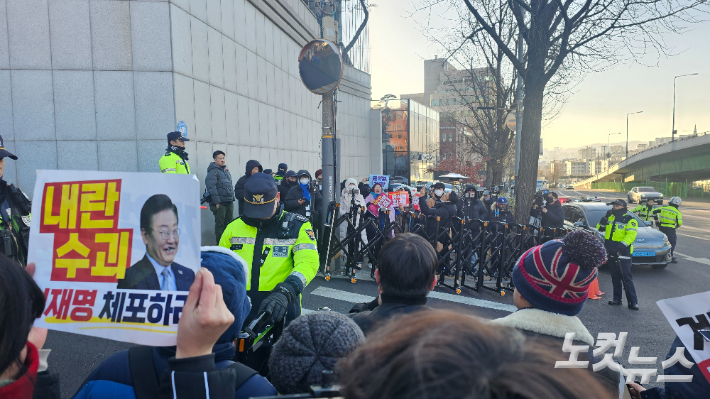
(446,209)
(303,198)
(470,207)
(252,167)
(405,276)
(553,216)
(289,180)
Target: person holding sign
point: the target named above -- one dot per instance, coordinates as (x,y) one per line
(279,247)
(161,236)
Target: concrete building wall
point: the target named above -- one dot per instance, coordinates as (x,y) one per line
(97,84)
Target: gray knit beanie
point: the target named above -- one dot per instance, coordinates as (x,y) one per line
(310,344)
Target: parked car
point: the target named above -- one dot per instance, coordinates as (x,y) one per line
(641,194)
(399,179)
(590,199)
(650,248)
(569,187)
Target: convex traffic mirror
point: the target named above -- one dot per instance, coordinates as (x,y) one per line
(320,66)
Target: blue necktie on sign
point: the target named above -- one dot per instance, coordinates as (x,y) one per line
(166,280)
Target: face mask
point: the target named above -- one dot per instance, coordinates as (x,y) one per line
(352,187)
(439,193)
(469,195)
(305,181)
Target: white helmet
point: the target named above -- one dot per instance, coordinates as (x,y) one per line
(675,201)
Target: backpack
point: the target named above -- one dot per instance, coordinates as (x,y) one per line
(145,382)
(206,196)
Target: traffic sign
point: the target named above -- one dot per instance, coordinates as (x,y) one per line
(182,128)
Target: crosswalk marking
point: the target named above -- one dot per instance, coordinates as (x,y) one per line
(352,297)
(703,261)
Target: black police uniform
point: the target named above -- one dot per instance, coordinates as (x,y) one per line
(15,217)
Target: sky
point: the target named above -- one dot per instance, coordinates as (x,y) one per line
(599,103)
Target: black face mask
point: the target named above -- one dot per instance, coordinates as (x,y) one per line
(618,212)
(261,223)
(180,151)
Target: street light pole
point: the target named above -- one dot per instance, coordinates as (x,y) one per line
(673,127)
(627,131)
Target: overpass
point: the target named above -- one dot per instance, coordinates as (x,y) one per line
(687,159)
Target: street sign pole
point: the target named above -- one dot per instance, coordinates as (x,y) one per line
(328,149)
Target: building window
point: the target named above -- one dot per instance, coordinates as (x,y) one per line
(436,103)
(444,156)
(451,137)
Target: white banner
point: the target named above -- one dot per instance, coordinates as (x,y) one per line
(689,315)
(115,253)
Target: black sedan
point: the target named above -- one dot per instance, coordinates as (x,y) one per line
(650,248)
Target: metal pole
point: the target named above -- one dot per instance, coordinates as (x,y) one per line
(627,136)
(673,126)
(328,148)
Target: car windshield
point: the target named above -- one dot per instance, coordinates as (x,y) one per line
(647,190)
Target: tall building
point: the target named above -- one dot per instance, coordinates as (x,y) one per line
(97,85)
(410,139)
(587,153)
(450,92)
(577,168)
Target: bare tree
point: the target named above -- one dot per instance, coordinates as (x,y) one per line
(564,37)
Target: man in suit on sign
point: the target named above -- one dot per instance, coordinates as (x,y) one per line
(161,236)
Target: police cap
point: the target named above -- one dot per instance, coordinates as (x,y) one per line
(176,136)
(5,153)
(259,196)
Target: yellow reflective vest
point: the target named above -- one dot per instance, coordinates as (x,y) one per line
(644,211)
(286,247)
(669,216)
(623,230)
(173,163)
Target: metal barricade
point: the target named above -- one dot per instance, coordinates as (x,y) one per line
(474,254)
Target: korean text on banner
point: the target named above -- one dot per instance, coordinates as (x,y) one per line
(383,201)
(416,203)
(384,181)
(687,315)
(115,253)
(400,198)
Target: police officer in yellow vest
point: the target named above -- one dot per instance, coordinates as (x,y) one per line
(15,215)
(645,211)
(669,218)
(279,246)
(175,158)
(620,229)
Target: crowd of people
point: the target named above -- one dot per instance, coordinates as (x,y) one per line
(394,346)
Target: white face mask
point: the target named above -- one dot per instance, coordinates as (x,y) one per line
(305,181)
(439,193)
(352,187)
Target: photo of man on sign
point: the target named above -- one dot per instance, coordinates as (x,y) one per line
(161,236)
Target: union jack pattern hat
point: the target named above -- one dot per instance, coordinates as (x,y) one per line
(555,276)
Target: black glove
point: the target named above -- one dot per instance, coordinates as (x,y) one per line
(365,306)
(276,304)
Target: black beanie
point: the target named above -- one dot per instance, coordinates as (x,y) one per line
(310,344)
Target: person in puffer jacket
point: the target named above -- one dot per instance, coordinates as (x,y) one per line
(252,167)
(113,378)
(218,183)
